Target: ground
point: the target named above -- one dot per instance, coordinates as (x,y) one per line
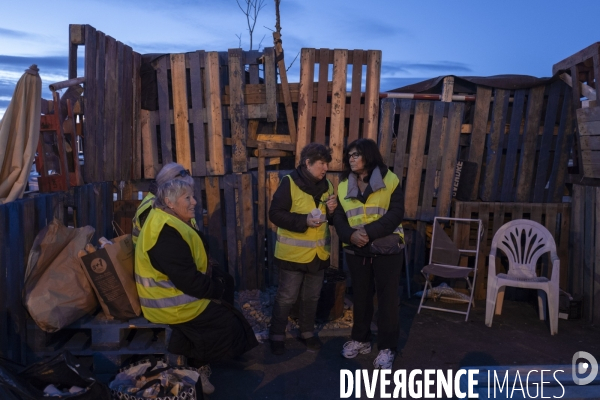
(431,339)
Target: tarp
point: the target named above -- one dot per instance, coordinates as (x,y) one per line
(468,84)
(19,135)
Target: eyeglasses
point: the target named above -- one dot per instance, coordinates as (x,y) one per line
(183,173)
(354,155)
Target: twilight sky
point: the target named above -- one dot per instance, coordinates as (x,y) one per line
(420,39)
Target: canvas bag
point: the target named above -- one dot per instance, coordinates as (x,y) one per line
(110,271)
(57,292)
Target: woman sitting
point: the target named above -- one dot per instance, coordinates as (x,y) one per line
(175,289)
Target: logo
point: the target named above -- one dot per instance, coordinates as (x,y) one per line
(99,266)
(582,368)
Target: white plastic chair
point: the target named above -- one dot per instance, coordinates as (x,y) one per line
(523,241)
(444,257)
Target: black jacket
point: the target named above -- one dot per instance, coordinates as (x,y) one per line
(376,229)
(280,215)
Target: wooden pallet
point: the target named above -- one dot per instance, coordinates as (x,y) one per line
(109,342)
(556,217)
(330,105)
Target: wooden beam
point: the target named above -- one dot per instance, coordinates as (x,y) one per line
(180,111)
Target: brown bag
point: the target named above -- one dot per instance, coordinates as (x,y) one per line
(110,270)
(57,292)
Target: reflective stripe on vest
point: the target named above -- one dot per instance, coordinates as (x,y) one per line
(375,207)
(302,247)
(161,301)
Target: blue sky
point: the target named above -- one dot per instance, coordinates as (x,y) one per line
(420,39)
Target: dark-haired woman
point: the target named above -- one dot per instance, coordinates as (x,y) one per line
(371,207)
(299,208)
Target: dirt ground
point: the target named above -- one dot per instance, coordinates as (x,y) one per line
(431,339)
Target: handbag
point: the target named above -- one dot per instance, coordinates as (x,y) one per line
(387,245)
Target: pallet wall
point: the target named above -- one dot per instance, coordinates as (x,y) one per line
(20,222)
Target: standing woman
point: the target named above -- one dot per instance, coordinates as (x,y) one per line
(302,248)
(368,220)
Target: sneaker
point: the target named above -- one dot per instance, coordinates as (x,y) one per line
(277,347)
(312,343)
(207,387)
(352,348)
(384,359)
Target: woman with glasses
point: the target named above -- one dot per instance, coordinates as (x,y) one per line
(300,207)
(368,221)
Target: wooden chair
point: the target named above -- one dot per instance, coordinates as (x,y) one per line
(523,242)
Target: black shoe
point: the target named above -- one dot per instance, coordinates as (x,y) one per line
(277,347)
(313,343)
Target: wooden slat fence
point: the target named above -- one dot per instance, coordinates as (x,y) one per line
(20,222)
(556,217)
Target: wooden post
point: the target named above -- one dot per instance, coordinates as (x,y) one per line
(448,89)
(305,100)
(287,98)
(338,109)
(216,165)
(237,111)
(372,94)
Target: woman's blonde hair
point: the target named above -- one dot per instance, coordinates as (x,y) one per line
(171,190)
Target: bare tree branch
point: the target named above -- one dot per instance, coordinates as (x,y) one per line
(290,66)
(251,12)
(239,40)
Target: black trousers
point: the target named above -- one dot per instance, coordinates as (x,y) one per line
(383,274)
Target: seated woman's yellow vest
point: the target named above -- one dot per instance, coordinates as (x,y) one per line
(376,206)
(147,203)
(302,247)
(161,301)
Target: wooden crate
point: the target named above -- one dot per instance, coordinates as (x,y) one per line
(556,217)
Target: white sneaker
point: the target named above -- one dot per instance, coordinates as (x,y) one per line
(384,359)
(352,348)
(207,387)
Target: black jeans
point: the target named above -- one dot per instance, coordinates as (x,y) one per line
(308,284)
(381,273)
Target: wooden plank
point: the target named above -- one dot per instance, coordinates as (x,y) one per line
(403,107)
(110,108)
(576,58)
(149,145)
(541,177)
(213,208)
(510,166)
(118,138)
(247,235)
(127,115)
(449,158)
(229,185)
(320,122)
(576,91)
(415,160)
(99,109)
(436,148)
(76,37)
(136,117)
(334,258)
(564,143)
(386,130)
(305,99)
(494,151)
(270,84)
(372,94)
(261,217)
(237,111)
(271,232)
(285,88)
(576,240)
(589,252)
(89,98)
(338,107)
(355,97)
(480,120)
(533,116)
(196,62)
(183,149)
(216,163)
(166,150)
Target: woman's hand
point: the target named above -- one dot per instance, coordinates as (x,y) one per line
(313,222)
(331,203)
(359,238)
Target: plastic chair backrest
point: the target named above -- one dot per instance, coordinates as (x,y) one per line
(524,242)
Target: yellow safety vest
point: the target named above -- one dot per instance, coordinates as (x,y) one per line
(376,206)
(302,247)
(161,301)
(144,205)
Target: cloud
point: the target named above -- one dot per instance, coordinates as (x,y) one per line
(438,67)
(9,33)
